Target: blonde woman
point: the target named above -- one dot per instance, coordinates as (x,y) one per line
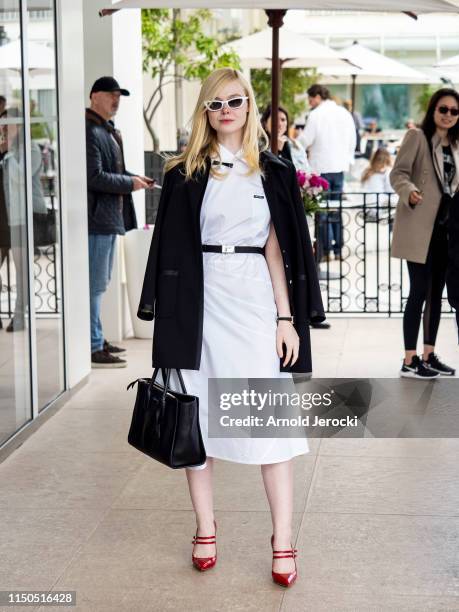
(232,285)
(375,178)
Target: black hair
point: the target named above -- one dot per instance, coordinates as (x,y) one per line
(319,90)
(267,114)
(428,124)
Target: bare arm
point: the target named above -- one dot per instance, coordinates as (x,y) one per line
(286,333)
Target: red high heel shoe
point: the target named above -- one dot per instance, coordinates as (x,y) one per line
(205,563)
(285,580)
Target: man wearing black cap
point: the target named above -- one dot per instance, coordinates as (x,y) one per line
(110,205)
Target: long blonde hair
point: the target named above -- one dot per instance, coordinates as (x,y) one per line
(203,140)
(380,160)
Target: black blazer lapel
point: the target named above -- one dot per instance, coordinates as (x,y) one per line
(196,188)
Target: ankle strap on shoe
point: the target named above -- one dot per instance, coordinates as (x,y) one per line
(203,540)
(285,554)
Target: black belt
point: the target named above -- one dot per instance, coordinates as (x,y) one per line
(229,248)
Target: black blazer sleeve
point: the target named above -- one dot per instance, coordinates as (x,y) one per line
(146,309)
(315,312)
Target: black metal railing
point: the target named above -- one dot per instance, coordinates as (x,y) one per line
(45,269)
(363,277)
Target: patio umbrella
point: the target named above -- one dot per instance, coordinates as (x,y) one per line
(41,57)
(415,6)
(376,68)
(276,10)
(295,51)
(452,63)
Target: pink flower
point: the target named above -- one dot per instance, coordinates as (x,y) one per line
(301,177)
(318,181)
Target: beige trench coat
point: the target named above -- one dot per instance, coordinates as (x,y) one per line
(416,169)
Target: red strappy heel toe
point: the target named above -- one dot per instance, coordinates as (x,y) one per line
(205,563)
(285,580)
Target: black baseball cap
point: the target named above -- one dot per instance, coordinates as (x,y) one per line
(108,83)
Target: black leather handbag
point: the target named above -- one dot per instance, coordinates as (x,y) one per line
(165,423)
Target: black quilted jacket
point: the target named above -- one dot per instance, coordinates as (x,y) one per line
(106,213)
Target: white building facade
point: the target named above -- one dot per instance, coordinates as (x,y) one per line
(50,53)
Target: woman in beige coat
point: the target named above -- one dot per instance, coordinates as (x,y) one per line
(426,176)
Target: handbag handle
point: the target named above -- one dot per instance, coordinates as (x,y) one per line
(166,374)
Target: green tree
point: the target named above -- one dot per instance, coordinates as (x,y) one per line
(294,81)
(176,47)
(422,100)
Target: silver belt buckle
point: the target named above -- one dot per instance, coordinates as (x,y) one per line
(227,248)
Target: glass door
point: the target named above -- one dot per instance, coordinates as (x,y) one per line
(15,372)
(44,174)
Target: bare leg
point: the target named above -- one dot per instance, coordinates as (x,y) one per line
(409,356)
(428,348)
(200,486)
(278,481)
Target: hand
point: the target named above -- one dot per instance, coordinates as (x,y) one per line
(415,197)
(150,182)
(281,140)
(286,334)
(138,183)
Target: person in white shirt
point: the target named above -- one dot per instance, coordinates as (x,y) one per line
(329,138)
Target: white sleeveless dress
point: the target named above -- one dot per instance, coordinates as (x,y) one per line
(239,326)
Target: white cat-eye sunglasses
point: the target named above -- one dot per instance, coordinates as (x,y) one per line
(217,105)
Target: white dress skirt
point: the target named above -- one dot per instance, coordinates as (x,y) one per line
(239,326)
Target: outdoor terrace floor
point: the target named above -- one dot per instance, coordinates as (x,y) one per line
(376,521)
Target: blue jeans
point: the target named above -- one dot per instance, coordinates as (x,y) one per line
(331,225)
(101,253)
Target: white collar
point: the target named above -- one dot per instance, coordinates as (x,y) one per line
(325,103)
(228,157)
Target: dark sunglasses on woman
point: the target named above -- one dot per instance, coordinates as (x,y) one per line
(444,110)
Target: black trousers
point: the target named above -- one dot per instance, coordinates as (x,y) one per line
(427,282)
(452,273)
